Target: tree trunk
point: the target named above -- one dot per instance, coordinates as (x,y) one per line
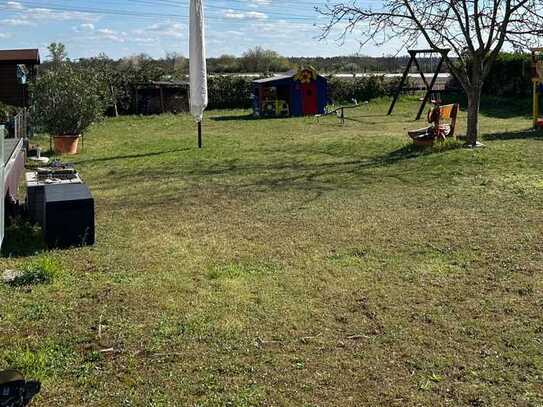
(473,92)
(474,103)
(114,99)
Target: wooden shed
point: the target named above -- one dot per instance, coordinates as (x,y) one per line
(157,97)
(301,92)
(17,68)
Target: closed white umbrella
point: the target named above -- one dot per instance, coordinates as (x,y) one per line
(198,68)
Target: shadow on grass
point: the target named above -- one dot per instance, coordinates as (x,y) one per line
(529,134)
(239,178)
(498,107)
(22,238)
(129,156)
(506,110)
(233,118)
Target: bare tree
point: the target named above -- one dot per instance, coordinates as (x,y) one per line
(57,53)
(476,30)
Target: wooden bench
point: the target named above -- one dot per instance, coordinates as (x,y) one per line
(443,125)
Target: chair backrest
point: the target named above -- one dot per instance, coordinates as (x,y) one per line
(448,112)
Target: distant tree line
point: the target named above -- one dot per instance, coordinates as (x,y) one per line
(255,60)
(510,76)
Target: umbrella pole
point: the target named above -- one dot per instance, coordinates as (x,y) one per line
(200,134)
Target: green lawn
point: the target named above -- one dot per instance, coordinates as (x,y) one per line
(294,263)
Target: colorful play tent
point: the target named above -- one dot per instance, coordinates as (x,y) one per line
(301,92)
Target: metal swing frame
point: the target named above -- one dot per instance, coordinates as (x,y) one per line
(429,86)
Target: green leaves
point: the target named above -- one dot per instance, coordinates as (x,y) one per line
(68,99)
(344,90)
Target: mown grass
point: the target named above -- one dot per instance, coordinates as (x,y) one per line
(294,262)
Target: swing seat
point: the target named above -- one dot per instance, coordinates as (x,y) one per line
(422,137)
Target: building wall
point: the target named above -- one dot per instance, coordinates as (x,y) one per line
(11,92)
(322,86)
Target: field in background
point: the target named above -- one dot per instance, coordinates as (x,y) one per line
(294,262)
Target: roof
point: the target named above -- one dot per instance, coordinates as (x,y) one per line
(286,75)
(163,84)
(281,76)
(21,56)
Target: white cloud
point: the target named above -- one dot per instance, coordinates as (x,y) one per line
(111,35)
(143,40)
(41,14)
(106,31)
(45,14)
(87,26)
(255,15)
(168,29)
(91,33)
(250,15)
(17,22)
(14,5)
(155,32)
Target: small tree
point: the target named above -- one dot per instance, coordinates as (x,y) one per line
(67,100)
(57,53)
(476,30)
(263,60)
(226,64)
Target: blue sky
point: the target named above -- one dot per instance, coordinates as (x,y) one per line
(127,27)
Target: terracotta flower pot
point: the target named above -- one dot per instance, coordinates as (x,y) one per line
(66,144)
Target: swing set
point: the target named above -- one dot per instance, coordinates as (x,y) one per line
(429,86)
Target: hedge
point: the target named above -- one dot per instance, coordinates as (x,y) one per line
(510,76)
(234,92)
(229,92)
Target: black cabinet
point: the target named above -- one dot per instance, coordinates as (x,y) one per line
(65,212)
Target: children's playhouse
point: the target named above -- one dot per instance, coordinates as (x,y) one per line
(301,92)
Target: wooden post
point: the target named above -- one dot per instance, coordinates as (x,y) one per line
(430,88)
(421,73)
(200,145)
(400,86)
(161,98)
(535,90)
(114,99)
(535,102)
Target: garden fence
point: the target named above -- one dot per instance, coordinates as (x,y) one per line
(20,124)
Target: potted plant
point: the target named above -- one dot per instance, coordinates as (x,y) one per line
(66,101)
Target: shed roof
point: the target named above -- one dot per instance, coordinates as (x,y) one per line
(286,75)
(21,56)
(281,76)
(162,84)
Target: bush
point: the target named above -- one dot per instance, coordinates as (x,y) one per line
(7,112)
(68,99)
(229,92)
(342,90)
(510,76)
(234,92)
